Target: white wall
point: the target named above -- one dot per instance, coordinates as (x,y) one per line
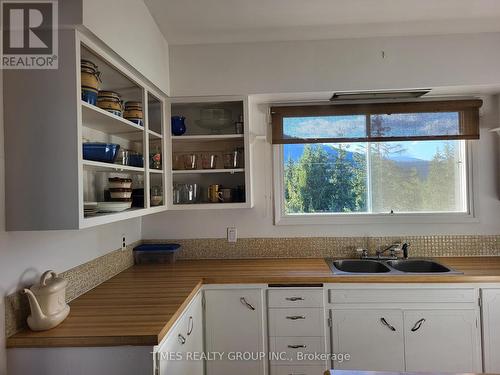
(342,64)
(129,29)
(315,66)
(258,221)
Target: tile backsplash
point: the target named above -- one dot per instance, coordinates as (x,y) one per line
(320,247)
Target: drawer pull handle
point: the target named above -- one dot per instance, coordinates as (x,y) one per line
(384,322)
(294,299)
(244,301)
(297,346)
(181,339)
(296,317)
(417,325)
(190,326)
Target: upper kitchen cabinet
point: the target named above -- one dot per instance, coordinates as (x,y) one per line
(84,143)
(210,153)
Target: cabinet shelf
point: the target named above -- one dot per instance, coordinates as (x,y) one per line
(158,171)
(98,166)
(154,134)
(98,119)
(196,171)
(210,206)
(214,137)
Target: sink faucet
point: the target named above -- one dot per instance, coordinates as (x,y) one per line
(394,249)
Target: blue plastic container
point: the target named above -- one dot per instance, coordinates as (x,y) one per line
(104,152)
(156,253)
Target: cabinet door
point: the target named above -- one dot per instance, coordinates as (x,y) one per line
(372,337)
(442,340)
(491,329)
(234,324)
(177,353)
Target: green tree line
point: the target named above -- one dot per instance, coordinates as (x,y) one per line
(320,181)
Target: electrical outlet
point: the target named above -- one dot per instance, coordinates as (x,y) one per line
(232,234)
(124,242)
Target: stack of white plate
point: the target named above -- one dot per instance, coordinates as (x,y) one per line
(89,208)
(113,206)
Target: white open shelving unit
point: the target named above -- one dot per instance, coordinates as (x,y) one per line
(47,191)
(100,125)
(199,140)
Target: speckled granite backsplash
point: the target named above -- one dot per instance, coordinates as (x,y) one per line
(321,247)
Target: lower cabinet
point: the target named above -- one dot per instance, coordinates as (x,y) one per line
(490,298)
(180,351)
(444,340)
(393,335)
(234,321)
(373,338)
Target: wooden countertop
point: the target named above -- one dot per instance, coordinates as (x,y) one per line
(353,372)
(140,305)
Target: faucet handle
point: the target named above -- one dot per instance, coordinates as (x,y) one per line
(362,253)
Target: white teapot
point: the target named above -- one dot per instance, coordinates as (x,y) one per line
(47,302)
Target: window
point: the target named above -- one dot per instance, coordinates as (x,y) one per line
(340,164)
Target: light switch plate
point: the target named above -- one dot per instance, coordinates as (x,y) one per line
(232,234)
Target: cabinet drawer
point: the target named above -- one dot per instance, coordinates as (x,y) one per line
(295,298)
(296,322)
(297,370)
(402,295)
(293,345)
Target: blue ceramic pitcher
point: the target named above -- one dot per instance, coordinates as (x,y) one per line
(178,125)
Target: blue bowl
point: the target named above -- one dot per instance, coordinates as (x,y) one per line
(104,152)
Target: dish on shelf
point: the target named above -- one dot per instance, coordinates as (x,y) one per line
(120,193)
(103,152)
(89,208)
(113,206)
(117,182)
(215,119)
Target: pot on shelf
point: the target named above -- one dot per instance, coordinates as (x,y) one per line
(47,301)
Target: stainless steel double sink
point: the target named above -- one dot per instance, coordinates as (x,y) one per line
(388,267)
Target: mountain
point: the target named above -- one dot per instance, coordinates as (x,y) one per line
(403,161)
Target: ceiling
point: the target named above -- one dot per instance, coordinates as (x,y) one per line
(229,21)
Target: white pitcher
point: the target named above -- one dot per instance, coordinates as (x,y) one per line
(47,302)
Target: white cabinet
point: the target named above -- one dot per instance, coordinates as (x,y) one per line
(297,330)
(441,340)
(404,328)
(372,337)
(491,329)
(234,321)
(177,355)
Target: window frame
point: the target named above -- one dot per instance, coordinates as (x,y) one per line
(469,216)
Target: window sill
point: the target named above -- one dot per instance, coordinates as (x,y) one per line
(353,219)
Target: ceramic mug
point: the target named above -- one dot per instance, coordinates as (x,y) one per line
(226,195)
(214,193)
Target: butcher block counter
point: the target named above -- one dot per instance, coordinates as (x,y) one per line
(351,372)
(140,305)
